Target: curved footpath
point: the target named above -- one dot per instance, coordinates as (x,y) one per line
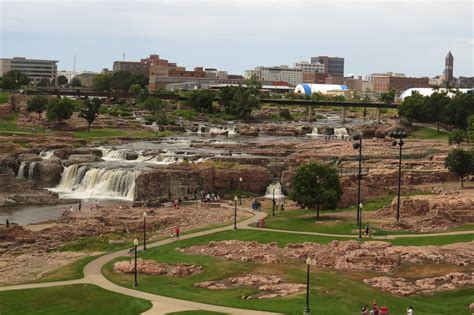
(161,304)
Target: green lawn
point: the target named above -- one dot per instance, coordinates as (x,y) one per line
(114,133)
(4,97)
(196,313)
(331,292)
(428,134)
(71,271)
(305,220)
(81,299)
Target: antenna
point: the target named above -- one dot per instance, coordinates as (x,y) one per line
(74,63)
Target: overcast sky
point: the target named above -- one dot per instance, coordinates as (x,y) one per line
(410,36)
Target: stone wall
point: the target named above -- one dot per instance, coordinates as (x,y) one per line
(187,183)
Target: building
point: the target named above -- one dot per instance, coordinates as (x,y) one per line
(35,69)
(429,91)
(333,66)
(448,68)
(314,77)
(282,73)
(68,74)
(310,67)
(332,89)
(86,78)
(134,67)
(386,82)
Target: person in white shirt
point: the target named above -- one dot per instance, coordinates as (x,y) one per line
(410,310)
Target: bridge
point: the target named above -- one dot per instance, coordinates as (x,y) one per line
(313,103)
(85,92)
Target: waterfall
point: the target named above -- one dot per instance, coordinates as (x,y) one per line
(46,154)
(232,131)
(341,133)
(32,171)
(112,154)
(314,132)
(274,189)
(21,170)
(83,181)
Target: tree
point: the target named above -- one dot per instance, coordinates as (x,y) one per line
(62,80)
(461,163)
(457,136)
(459,109)
(60,109)
(388,97)
(201,100)
(435,107)
(14,79)
(135,89)
(253,85)
(413,107)
(90,110)
(102,82)
(238,101)
(43,83)
(122,80)
(37,104)
(316,185)
(76,82)
(152,104)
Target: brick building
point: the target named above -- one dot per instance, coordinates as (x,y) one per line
(385,83)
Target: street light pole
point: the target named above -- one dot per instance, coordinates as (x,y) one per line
(273,203)
(398,135)
(144,230)
(235,212)
(135,243)
(307,310)
(358,145)
(240,191)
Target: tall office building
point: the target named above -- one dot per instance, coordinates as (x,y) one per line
(333,66)
(35,69)
(448,67)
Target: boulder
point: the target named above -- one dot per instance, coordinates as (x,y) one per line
(82,158)
(50,171)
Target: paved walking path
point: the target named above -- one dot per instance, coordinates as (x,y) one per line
(161,304)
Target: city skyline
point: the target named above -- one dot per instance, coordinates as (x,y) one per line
(237,36)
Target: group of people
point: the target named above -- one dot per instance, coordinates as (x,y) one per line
(210,197)
(65,212)
(256,205)
(383,310)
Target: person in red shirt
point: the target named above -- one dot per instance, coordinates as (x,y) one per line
(176,232)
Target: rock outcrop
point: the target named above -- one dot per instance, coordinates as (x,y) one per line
(270,286)
(153,267)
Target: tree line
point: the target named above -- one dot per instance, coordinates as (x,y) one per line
(61,109)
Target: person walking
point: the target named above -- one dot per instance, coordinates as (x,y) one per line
(176,232)
(79,206)
(8,223)
(410,310)
(367,230)
(97,205)
(375,309)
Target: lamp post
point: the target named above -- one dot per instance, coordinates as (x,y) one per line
(235,212)
(135,243)
(358,146)
(273,203)
(240,191)
(398,140)
(144,230)
(307,311)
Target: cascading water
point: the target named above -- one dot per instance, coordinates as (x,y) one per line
(32,171)
(274,191)
(340,133)
(46,154)
(21,170)
(83,181)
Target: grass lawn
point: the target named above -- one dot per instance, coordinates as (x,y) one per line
(196,313)
(305,220)
(331,292)
(71,271)
(114,133)
(4,97)
(428,134)
(73,299)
